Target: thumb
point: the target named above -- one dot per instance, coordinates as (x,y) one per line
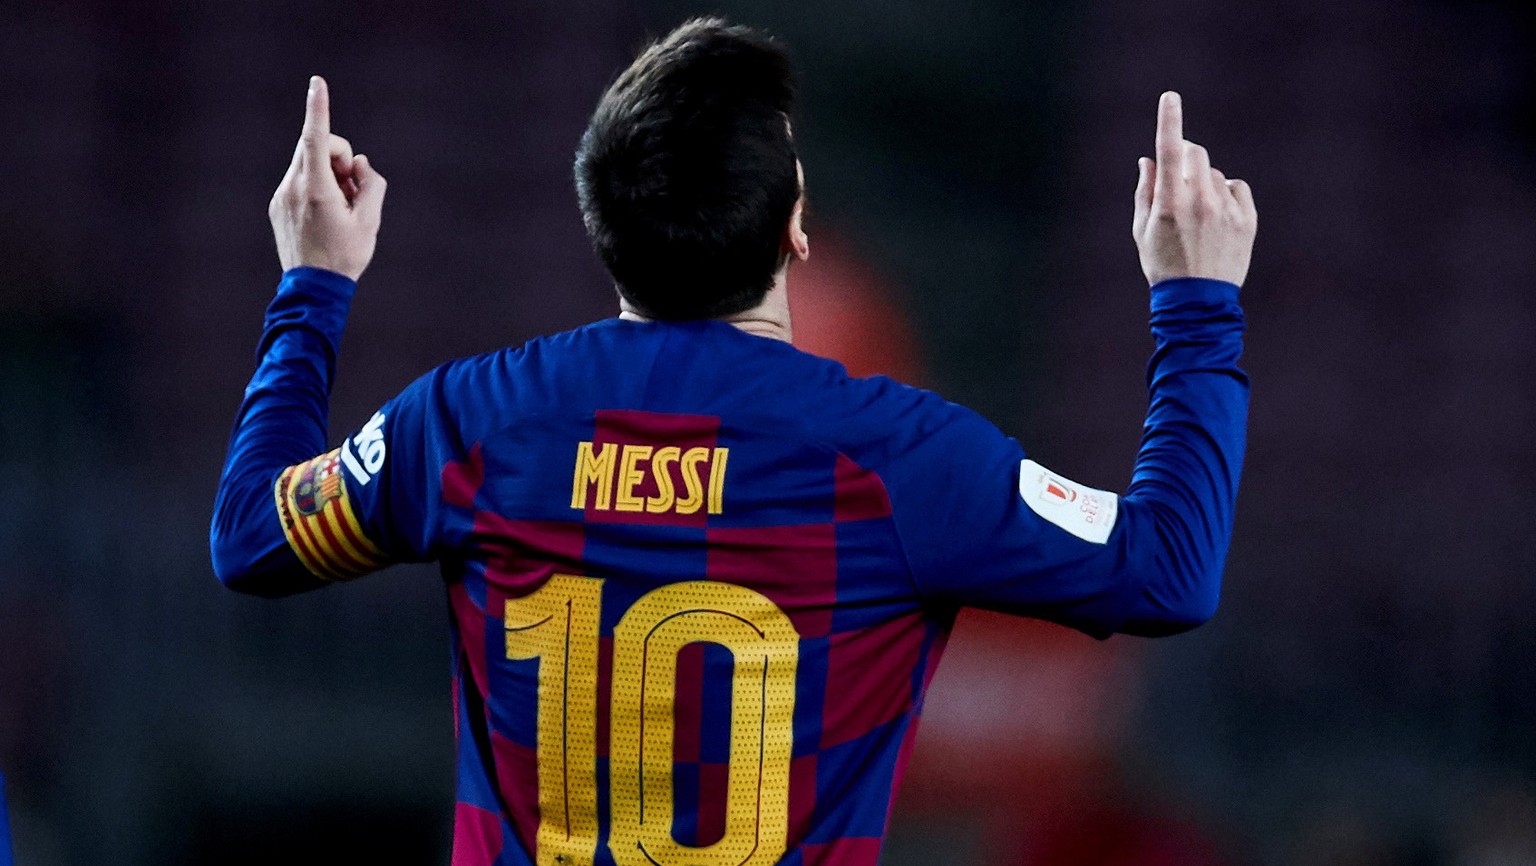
(1144,182)
(370,189)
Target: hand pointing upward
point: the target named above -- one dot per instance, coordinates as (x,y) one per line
(326,211)
(1190,220)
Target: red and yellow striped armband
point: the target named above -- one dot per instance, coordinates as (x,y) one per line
(321,522)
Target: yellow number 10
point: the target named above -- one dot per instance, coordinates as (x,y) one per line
(559,623)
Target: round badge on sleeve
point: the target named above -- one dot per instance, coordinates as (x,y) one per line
(1083,511)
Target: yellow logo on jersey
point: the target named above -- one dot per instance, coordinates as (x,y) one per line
(614,475)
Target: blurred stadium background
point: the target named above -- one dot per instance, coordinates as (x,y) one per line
(1367,694)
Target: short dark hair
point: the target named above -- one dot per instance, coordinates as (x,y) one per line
(687,174)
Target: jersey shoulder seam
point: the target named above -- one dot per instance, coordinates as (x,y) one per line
(901,543)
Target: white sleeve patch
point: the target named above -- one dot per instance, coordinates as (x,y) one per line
(1085,512)
(371,450)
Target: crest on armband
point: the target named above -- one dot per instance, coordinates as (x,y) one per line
(319,483)
(320,520)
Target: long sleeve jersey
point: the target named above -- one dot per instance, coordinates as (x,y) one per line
(700,580)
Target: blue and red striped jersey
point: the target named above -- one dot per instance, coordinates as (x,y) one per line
(700,580)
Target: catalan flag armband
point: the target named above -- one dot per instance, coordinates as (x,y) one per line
(321,523)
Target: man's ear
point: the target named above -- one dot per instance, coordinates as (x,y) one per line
(795,242)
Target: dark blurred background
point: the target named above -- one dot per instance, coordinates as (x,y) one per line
(1367,694)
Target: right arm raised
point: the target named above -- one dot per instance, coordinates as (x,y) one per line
(325,219)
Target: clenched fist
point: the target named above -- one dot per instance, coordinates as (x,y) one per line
(325,213)
(1191,221)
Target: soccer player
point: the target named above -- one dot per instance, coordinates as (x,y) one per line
(700,580)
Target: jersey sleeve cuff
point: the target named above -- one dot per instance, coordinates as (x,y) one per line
(1195,309)
(317,284)
(1169,295)
(310,299)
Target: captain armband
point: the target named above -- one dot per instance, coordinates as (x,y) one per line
(320,520)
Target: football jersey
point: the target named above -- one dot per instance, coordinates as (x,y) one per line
(700,580)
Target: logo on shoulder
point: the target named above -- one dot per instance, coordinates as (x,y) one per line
(363,454)
(1083,511)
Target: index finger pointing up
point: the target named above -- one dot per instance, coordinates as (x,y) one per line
(317,122)
(1170,135)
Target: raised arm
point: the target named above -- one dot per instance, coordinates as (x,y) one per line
(986,527)
(325,218)
(1191,223)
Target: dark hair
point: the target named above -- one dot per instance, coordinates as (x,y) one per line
(686,174)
